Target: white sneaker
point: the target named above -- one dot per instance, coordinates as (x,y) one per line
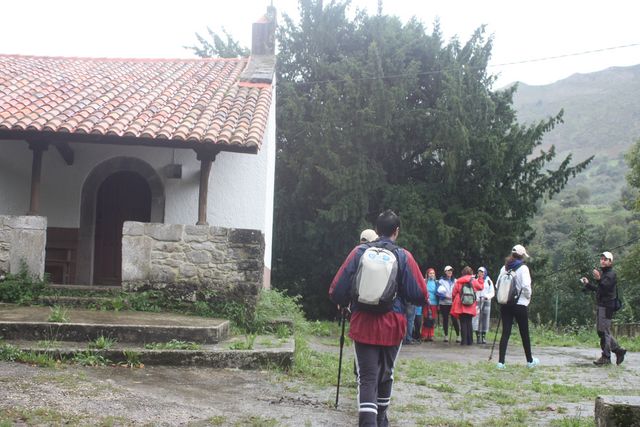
(500,366)
(534,362)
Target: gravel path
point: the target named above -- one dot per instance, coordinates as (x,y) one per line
(201,396)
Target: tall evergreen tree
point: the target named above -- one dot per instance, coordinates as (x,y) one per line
(376,114)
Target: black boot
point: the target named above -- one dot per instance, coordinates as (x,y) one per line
(602,361)
(477,337)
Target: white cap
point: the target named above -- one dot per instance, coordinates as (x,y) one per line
(448,267)
(607,255)
(519,250)
(368,235)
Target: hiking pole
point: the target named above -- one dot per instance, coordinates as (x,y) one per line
(495,338)
(343,319)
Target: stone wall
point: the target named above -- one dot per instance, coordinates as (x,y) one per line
(22,239)
(193,262)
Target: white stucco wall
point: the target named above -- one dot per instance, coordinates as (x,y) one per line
(240,186)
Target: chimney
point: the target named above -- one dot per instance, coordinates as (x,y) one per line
(264,34)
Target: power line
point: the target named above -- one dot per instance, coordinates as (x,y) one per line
(434,72)
(561,270)
(566,55)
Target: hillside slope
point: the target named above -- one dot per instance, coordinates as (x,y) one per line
(601,118)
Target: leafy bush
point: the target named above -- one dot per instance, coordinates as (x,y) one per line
(21,288)
(58,314)
(102,343)
(132,359)
(89,358)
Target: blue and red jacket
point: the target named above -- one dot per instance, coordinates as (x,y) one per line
(388,328)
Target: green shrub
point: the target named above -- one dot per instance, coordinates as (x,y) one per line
(58,314)
(89,358)
(102,343)
(132,359)
(21,288)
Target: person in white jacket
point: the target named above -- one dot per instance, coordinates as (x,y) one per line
(481,321)
(444,290)
(520,310)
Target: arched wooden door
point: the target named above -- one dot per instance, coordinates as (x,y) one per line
(123,196)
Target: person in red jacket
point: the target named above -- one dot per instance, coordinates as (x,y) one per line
(377,336)
(464,302)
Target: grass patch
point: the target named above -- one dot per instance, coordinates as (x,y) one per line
(132,359)
(247,344)
(11,353)
(443,388)
(102,343)
(576,421)
(217,420)
(37,416)
(47,344)
(442,422)
(256,421)
(173,345)
(90,358)
(58,314)
(21,288)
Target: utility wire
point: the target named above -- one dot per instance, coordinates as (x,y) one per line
(434,72)
(561,270)
(566,55)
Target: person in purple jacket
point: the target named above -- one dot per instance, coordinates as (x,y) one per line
(377,336)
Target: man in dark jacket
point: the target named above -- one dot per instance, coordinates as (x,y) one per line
(605,289)
(377,336)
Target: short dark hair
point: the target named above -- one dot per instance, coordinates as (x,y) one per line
(387,223)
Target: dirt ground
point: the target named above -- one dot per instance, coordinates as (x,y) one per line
(201,396)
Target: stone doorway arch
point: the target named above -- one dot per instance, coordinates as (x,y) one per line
(86,235)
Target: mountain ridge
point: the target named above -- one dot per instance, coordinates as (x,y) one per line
(601,119)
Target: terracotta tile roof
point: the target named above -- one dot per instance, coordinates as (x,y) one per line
(199,101)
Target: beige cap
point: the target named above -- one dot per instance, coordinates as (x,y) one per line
(448,267)
(607,255)
(368,235)
(519,250)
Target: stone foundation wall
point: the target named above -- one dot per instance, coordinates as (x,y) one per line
(193,262)
(22,239)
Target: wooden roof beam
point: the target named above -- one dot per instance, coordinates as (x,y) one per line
(65,151)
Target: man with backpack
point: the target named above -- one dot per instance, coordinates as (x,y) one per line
(607,302)
(378,279)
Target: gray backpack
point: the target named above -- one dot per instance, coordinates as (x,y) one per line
(375,284)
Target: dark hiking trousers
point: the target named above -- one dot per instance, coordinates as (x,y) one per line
(374,370)
(521,315)
(603,326)
(446,309)
(466,329)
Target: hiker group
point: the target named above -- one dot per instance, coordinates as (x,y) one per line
(392,303)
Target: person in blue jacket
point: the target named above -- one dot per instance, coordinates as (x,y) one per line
(377,336)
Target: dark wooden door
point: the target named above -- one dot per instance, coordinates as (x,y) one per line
(123,196)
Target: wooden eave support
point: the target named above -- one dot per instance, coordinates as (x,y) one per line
(65,151)
(38,147)
(206,158)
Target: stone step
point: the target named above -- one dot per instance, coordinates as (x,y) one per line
(267,351)
(613,411)
(31,323)
(83,289)
(76,301)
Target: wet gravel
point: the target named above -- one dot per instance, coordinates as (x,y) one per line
(203,396)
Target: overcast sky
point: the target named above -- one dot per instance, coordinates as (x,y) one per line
(523,30)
